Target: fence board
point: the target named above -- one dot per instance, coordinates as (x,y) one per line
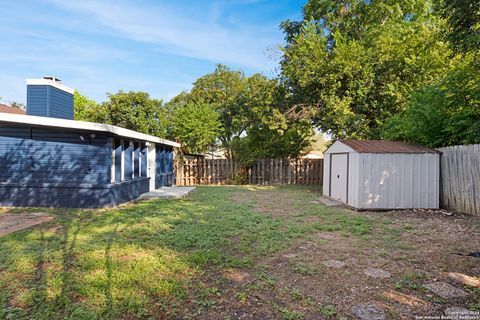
(460,178)
(262,172)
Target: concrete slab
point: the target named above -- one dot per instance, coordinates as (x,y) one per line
(168,192)
(377,273)
(14,222)
(368,312)
(334,264)
(330,202)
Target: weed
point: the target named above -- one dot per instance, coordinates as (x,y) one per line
(291,315)
(241,296)
(296,294)
(327,312)
(303,269)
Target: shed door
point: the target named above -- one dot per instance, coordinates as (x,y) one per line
(338,178)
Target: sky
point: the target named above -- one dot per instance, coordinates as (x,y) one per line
(160,47)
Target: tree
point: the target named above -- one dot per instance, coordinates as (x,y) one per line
(269,131)
(444,113)
(196,126)
(85,109)
(252,113)
(134,110)
(350,65)
(463,17)
(18,105)
(223,88)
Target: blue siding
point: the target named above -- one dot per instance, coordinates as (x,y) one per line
(77,196)
(37,100)
(164,166)
(48,101)
(61,104)
(39,156)
(67,168)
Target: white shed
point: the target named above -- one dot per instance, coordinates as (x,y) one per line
(375,174)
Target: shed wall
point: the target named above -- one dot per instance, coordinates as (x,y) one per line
(398,180)
(353,179)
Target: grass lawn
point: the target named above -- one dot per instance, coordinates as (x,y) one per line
(233,253)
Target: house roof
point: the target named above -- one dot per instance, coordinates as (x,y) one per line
(81,125)
(384,146)
(7,109)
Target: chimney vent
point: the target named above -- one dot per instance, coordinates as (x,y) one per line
(55,79)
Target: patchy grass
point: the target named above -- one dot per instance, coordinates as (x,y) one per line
(222,253)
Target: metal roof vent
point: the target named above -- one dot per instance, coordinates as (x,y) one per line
(55,79)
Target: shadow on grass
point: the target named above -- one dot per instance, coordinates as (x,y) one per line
(136,260)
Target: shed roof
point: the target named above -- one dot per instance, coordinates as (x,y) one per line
(7,109)
(384,146)
(81,125)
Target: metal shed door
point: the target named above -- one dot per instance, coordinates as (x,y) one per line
(339,177)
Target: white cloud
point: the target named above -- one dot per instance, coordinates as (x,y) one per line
(180,30)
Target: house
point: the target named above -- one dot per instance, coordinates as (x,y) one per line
(374,174)
(47,159)
(313,155)
(7,109)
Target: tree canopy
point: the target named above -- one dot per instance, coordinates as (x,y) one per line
(131,110)
(353,64)
(393,69)
(196,126)
(444,113)
(252,115)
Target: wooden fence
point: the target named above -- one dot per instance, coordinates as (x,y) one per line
(263,172)
(460,174)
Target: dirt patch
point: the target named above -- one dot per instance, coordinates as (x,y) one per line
(404,243)
(237,275)
(262,202)
(10,223)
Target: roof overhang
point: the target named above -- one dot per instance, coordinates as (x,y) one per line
(82,125)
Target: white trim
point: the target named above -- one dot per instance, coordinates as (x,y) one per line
(151,159)
(338,147)
(82,125)
(47,82)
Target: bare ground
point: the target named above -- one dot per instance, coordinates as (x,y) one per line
(414,248)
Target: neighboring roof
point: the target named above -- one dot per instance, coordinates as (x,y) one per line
(7,109)
(81,125)
(313,155)
(384,146)
(50,82)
